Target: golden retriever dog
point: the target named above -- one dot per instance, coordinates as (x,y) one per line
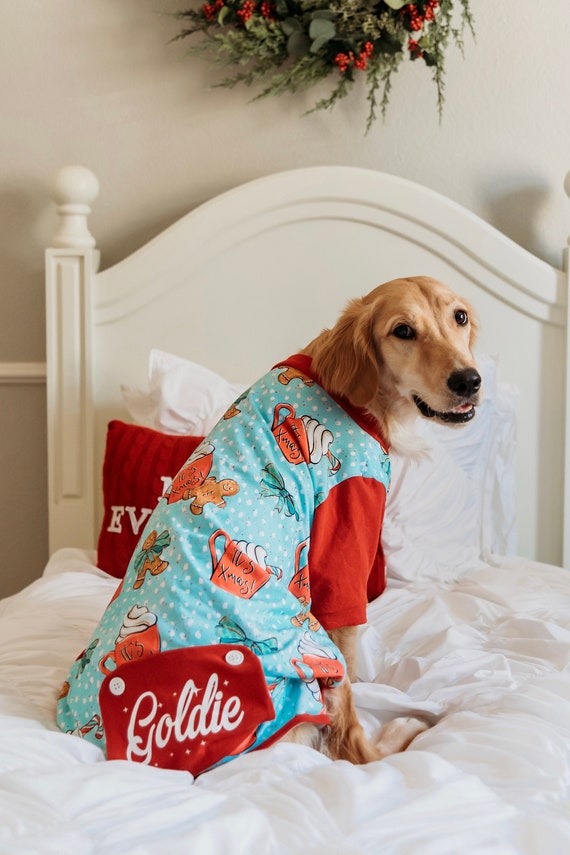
(402,351)
(235,625)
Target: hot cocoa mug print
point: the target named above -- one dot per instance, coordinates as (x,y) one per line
(302,439)
(138,638)
(290,434)
(299,585)
(241,568)
(193,473)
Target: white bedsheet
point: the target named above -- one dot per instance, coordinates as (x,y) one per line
(487,657)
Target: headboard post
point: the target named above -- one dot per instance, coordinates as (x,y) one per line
(70,267)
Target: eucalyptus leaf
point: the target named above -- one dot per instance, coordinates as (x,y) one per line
(298,44)
(322,30)
(396,4)
(291,25)
(327,14)
(317,44)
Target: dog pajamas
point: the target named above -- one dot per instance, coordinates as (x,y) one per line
(215,642)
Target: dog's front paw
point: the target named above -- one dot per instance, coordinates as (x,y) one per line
(399,733)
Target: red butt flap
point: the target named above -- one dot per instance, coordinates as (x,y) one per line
(185,709)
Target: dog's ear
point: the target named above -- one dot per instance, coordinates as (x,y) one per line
(344,357)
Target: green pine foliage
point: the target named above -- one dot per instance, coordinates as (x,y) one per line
(290,45)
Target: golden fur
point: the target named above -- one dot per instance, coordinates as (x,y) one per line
(404,349)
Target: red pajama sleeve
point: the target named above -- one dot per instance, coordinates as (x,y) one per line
(346,562)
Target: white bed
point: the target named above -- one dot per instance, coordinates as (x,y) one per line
(474,628)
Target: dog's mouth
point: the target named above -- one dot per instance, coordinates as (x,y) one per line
(457,415)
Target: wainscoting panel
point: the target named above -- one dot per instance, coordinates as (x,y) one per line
(23,468)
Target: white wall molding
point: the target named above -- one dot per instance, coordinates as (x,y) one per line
(22,373)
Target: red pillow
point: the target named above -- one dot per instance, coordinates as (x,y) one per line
(138,467)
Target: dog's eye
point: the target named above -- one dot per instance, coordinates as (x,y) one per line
(461,317)
(403,331)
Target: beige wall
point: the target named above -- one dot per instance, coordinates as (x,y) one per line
(97,82)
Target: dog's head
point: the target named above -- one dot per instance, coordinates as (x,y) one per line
(405,348)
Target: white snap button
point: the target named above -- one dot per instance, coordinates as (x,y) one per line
(234,657)
(117,686)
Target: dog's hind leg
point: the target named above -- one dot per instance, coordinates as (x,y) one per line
(345,736)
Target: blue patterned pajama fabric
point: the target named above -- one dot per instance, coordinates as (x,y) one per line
(215,642)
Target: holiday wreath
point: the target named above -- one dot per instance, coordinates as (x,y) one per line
(288,45)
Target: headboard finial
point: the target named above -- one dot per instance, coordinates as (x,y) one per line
(74,189)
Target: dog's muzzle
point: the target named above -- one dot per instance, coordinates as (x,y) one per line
(465,386)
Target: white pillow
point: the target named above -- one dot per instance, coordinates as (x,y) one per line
(183,397)
(442,513)
(459,502)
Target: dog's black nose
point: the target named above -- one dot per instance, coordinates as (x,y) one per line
(465,383)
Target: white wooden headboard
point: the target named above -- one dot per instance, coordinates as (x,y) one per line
(251,276)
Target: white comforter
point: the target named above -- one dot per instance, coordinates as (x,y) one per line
(486,656)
